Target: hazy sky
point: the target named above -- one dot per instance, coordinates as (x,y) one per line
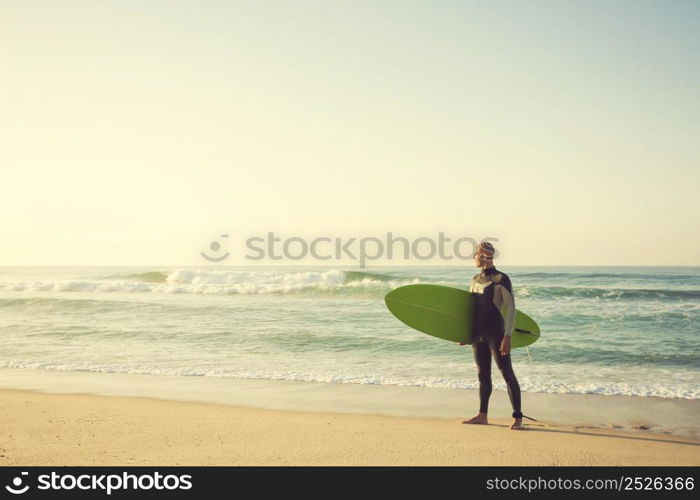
(136,132)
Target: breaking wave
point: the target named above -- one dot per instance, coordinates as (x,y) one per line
(224,282)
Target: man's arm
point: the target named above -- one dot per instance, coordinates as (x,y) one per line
(508,305)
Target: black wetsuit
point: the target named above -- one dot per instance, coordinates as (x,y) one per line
(494,318)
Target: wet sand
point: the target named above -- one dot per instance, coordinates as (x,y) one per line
(79,429)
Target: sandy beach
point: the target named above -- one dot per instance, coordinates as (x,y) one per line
(75,429)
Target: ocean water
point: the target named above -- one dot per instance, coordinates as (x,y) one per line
(608,330)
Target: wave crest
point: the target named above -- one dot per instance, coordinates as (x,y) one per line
(605,293)
(224,282)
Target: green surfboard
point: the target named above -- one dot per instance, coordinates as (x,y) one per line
(446,313)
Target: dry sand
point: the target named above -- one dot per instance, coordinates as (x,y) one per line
(75,429)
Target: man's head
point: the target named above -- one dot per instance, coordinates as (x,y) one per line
(483,257)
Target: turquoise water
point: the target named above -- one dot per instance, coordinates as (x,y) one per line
(629,330)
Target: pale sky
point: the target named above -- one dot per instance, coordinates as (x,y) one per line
(136,132)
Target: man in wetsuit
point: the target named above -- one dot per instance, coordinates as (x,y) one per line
(494,319)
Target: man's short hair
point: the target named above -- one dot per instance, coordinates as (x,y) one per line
(488,248)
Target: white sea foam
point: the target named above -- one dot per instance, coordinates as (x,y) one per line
(188,281)
(575,384)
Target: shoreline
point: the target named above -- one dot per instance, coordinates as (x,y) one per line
(664,416)
(77,429)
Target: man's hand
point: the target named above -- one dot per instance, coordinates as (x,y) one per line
(505,346)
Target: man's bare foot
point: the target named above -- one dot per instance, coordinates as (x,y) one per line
(481,418)
(517,425)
